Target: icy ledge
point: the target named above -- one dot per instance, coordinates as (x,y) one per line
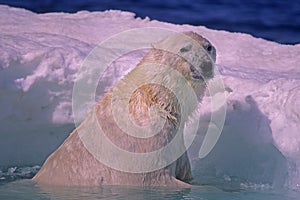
(41,53)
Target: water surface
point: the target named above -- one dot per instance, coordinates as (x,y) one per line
(27,189)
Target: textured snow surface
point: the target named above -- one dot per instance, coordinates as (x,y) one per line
(41,53)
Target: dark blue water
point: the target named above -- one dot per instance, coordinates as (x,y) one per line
(276,20)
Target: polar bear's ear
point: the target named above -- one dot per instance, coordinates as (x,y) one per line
(157,45)
(186,48)
(153,45)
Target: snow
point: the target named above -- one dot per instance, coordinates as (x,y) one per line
(40,55)
(16,173)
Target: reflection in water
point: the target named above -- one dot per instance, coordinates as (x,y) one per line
(27,189)
(114,192)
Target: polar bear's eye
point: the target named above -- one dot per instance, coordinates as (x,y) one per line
(209,48)
(186,48)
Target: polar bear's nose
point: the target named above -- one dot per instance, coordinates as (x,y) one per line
(211,51)
(209,48)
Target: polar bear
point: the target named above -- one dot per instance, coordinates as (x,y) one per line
(73,163)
